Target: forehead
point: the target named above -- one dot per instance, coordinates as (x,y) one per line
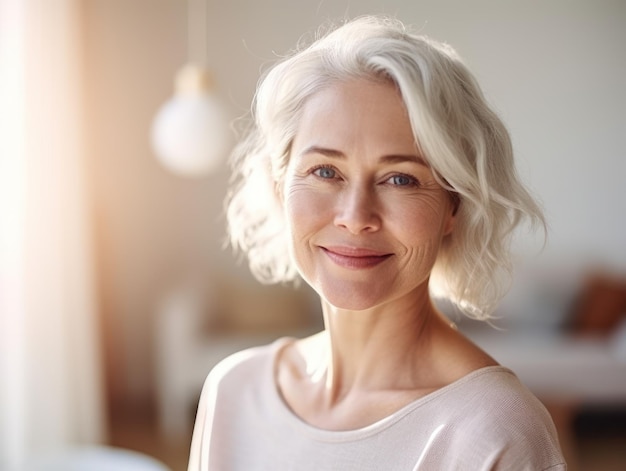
(364,94)
(356,111)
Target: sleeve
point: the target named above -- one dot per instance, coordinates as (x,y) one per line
(504,427)
(524,439)
(221,386)
(201,438)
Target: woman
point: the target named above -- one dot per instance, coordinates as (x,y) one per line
(376,172)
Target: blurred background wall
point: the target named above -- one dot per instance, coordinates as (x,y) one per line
(554,71)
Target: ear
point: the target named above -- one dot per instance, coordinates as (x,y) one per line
(450,223)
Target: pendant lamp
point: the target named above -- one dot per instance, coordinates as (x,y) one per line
(190,135)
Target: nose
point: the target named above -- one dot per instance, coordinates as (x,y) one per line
(357,210)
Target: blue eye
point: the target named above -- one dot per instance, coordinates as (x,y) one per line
(325,172)
(402,180)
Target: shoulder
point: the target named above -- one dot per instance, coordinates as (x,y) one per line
(235,380)
(497,392)
(495,396)
(231,391)
(244,366)
(500,418)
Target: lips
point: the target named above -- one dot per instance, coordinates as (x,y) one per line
(354,257)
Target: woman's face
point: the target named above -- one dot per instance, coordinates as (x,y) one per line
(365,215)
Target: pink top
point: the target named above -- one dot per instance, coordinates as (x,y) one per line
(486,420)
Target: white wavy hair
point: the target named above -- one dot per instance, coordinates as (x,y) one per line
(464,141)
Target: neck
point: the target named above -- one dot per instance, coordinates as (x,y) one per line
(387,347)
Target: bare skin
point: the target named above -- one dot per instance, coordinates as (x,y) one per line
(334,384)
(366,219)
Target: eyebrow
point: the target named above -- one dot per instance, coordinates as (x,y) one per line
(391,158)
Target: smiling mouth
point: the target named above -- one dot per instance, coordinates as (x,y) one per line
(355,258)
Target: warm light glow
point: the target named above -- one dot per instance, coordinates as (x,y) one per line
(12,140)
(50,393)
(12,190)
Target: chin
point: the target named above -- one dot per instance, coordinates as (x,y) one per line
(354,299)
(352,292)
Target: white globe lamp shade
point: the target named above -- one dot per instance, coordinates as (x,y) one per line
(190,135)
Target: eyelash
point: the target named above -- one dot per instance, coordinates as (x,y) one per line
(413,182)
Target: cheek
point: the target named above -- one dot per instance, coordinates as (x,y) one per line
(420,228)
(296,196)
(425,254)
(303,222)
(304,207)
(295,201)
(424,219)
(305,217)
